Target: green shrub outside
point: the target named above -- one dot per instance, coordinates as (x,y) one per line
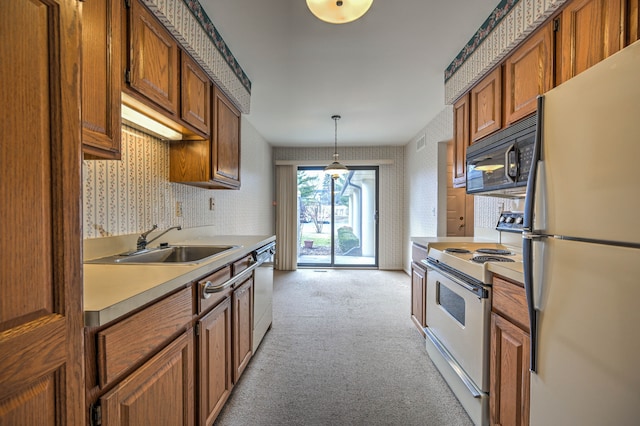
(347,239)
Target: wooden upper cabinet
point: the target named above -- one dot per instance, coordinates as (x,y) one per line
(460,140)
(101,78)
(225,159)
(486,105)
(528,72)
(215,163)
(154,67)
(590,31)
(41,317)
(195,95)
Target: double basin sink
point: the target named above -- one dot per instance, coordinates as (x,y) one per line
(165,255)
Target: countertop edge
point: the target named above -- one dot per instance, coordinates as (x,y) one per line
(159,280)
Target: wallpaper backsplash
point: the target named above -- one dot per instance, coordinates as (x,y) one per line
(131,195)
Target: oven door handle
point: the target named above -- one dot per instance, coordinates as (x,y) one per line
(479,291)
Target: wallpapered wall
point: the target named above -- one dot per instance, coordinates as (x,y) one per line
(391,197)
(130,195)
(424,186)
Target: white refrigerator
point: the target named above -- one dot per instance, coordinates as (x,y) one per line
(581,247)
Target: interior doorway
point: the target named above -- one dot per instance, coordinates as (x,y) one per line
(338,219)
(460,218)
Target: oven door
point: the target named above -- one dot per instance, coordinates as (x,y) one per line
(459,318)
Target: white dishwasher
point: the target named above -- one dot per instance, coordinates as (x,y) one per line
(263,292)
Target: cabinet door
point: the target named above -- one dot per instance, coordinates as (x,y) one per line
(242,327)
(632,21)
(486,105)
(41,319)
(590,31)
(195,94)
(225,149)
(153,59)
(158,393)
(460,141)
(509,373)
(418,292)
(528,73)
(101,78)
(215,363)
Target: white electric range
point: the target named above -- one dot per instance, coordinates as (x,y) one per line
(458,310)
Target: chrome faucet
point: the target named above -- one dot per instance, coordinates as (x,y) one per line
(142,239)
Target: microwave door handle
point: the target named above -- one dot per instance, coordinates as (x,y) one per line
(511,164)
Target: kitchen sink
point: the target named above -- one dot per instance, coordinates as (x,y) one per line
(165,255)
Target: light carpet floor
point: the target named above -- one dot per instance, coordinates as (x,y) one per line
(342,350)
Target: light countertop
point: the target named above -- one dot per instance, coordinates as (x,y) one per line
(511,270)
(111,291)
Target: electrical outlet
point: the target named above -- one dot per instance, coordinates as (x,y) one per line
(178,208)
(212,204)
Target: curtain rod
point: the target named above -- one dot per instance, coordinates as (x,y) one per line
(324,163)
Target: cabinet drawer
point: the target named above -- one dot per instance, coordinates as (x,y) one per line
(242,264)
(510,300)
(219,277)
(130,341)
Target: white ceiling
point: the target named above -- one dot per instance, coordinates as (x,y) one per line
(384,73)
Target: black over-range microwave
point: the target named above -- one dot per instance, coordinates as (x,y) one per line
(499,164)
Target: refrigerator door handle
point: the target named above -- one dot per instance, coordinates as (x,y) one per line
(527,257)
(528,237)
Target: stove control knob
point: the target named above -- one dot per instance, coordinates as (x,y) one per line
(502,219)
(509,220)
(519,220)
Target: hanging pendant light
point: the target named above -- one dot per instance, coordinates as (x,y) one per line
(335,169)
(338,11)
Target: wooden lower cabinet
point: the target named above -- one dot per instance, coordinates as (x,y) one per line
(161,392)
(509,392)
(225,336)
(242,327)
(418,287)
(509,360)
(418,299)
(215,362)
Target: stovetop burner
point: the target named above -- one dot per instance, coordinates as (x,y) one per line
(483,259)
(493,251)
(456,250)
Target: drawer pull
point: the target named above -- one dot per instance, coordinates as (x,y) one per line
(208,288)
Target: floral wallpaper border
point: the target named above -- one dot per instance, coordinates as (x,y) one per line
(510,23)
(501,10)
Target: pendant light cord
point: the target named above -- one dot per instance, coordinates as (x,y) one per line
(335,145)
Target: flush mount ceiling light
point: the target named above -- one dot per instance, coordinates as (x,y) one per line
(338,11)
(335,169)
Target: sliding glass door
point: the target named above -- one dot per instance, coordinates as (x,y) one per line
(337,220)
